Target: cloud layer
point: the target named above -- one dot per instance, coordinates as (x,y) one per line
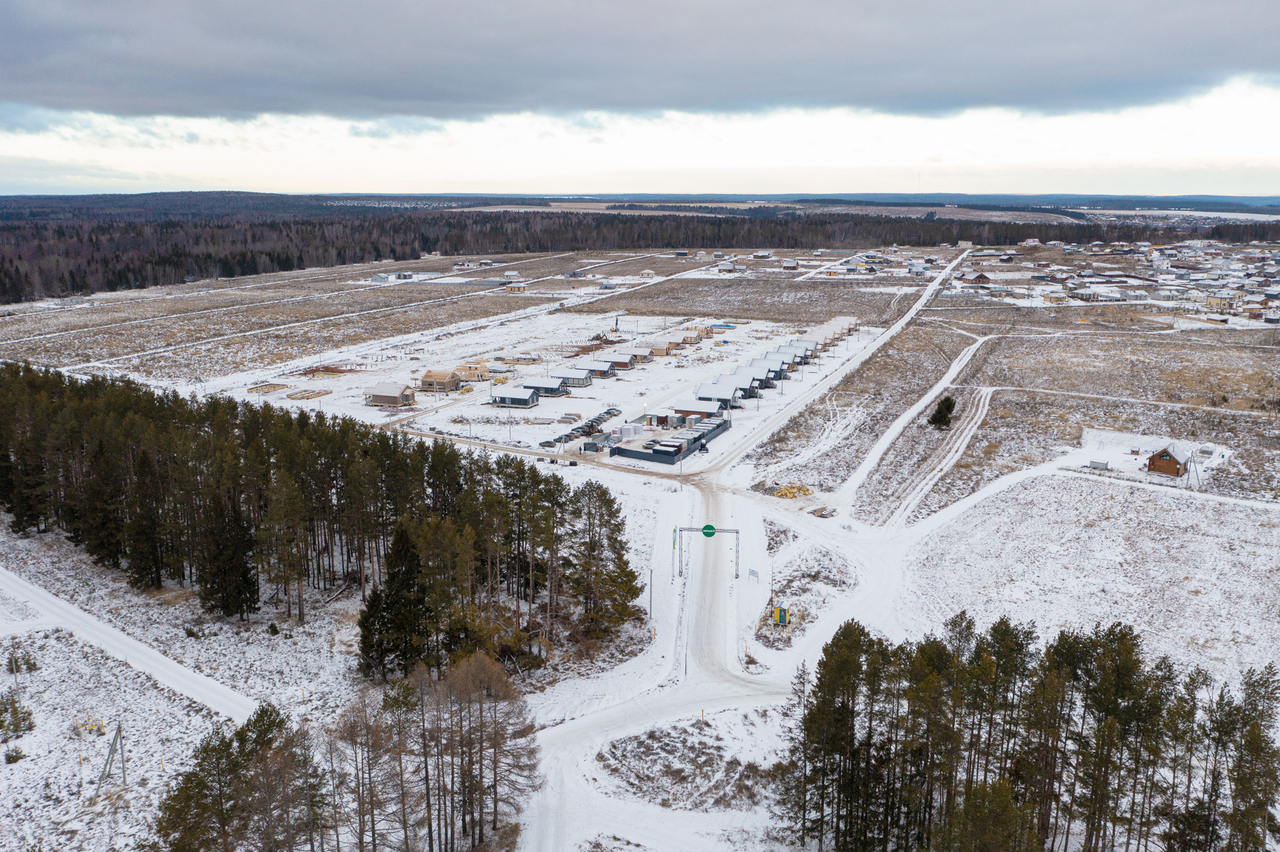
(480,57)
(1219,142)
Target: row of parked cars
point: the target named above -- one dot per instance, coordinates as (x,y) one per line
(585,429)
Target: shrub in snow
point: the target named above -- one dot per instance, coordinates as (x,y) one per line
(15,719)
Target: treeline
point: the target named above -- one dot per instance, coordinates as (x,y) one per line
(251,504)
(440,765)
(985,741)
(40,259)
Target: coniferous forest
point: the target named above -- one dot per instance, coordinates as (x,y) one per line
(99,252)
(988,742)
(454,553)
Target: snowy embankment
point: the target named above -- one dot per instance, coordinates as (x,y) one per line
(227,665)
(78,694)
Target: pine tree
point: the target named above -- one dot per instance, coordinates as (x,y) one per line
(601,578)
(142,531)
(228,581)
(375,645)
(941,417)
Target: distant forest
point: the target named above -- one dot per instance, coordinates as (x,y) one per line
(93,244)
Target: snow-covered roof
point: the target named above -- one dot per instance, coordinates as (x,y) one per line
(716,390)
(1181,456)
(697,406)
(387,389)
(544,383)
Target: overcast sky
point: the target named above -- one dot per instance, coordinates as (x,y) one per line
(582,96)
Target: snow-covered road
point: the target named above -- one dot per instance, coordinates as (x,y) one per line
(697,669)
(55,612)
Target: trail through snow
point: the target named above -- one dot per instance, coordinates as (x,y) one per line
(55,612)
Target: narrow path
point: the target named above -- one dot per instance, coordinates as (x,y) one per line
(845,494)
(950,452)
(54,611)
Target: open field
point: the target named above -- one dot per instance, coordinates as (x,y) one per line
(1198,578)
(926,521)
(823,444)
(77,696)
(778,300)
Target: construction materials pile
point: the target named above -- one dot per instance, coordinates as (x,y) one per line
(792,491)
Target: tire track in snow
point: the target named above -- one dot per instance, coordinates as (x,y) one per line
(952,450)
(844,496)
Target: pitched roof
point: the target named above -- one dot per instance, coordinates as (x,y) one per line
(387,389)
(1179,455)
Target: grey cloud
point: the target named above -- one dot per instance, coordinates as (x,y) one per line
(427,58)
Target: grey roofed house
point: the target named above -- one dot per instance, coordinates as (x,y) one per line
(774,366)
(718,392)
(619,360)
(599,369)
(510,397)
(815,345)
(760,374)
(800,353)
(573,377)
(390,394)
(789,359)
(641,353)
(547,386)
(748,385)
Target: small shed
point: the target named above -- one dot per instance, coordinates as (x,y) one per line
(510,397)
(547,386)
(572,377)
(517,287)
(440,381)
(790,263)
(1171,461)
(390,395)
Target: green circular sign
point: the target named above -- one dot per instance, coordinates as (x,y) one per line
(709,530)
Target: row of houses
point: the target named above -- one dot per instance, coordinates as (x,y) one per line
(603,365)
(746,381)
(400,395)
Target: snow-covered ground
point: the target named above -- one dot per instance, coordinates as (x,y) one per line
(78,695)
(664,741)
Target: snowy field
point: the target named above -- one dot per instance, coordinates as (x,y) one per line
(1197,577)
(78,695)
(667,737)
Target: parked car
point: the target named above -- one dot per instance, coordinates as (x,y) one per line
(551,445)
